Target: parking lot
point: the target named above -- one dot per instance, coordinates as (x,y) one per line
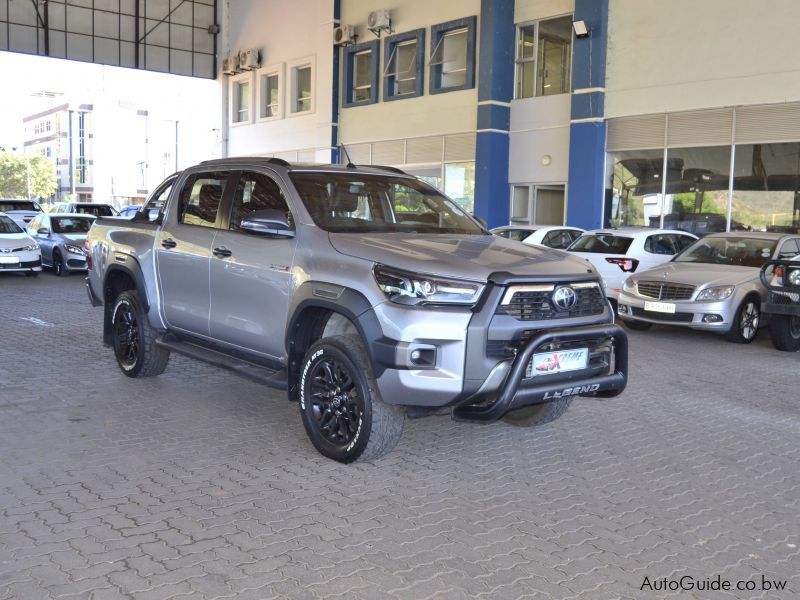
(203,485)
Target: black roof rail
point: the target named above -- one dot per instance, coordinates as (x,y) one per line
(385,168)
(278,161)
(270,159)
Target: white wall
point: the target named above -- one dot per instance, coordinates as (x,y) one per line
(540,126)
(687,54)
(284,31)
(451,112)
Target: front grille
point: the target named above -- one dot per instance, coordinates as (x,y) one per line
(665,291)
(671,317)
(537,304)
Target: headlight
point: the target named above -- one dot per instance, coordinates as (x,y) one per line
(413,289)
(628,285)
(716,293)
(794,277)
(31,247)
(75,249)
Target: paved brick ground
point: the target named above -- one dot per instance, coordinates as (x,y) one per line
(203,485)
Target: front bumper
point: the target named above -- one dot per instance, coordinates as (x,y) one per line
(517,391)
(707,316)
(25,261)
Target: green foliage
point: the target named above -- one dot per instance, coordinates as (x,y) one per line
(14,176)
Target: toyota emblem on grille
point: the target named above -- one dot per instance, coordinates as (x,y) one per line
(564,298)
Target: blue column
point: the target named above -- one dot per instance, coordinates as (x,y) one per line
(588,129)
(495,90)
(337,15)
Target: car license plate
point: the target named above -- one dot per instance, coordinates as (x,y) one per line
(561,361)
(662,307)
(9,260)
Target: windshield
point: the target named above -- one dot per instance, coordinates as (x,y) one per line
(72,224)
(6,205)
(8,226)
(742,252)
(601,243)
(98,210)
(363,203)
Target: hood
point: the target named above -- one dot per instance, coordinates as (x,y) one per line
(700,274)
(15,240)
(73,237)
(462,256)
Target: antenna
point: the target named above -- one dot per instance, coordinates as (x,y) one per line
(350,164)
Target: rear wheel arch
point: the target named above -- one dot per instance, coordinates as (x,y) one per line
(119,279)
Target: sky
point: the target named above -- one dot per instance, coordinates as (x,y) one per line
(26,75)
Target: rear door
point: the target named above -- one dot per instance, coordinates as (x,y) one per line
(183,250)
(251,274)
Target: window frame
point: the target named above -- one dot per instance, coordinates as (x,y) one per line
(535,58)
(233,105)
(261,75)
(390,45)
(291,90)
(350,53)
(438,32)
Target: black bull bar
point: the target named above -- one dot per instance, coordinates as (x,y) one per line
(513,395)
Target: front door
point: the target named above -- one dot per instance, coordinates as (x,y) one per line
(251,274)
(183,250)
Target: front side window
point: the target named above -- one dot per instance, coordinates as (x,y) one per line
(200,199)
(301,77)
(663,243)
(359,203)
(241,102)
(256,192)
(544,58)
(270,96)
(453,55)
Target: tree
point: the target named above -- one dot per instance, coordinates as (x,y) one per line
(14,176)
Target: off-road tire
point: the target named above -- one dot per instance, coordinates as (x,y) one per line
(785,332)
(150,359)
(636,325)
(739,333)
(538,414)
(377,426)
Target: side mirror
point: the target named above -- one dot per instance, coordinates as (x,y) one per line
(268,222)
(43,231)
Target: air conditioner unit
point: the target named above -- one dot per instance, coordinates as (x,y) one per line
(230,65)
(343,35)
(379,19)
(249,59)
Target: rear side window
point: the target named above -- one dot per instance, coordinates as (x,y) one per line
(684,241)
(6,205)
(100,210)
(662,243)
(200,199)
(602,243)
(256,191)
(559,239)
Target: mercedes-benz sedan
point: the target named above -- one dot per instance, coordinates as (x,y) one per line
(713,285)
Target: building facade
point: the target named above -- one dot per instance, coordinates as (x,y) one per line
(644,117)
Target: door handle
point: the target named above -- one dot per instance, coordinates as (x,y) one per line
(221,252)
(169,243)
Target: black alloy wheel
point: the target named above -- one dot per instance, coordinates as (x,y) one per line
(126,336)
(58,264)
(334,401)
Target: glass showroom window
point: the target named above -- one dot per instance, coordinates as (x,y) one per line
(636,182)
(766,187)
(362,77)
(241,102)
(544,58)
(270,96)
(459,184)
(301,77)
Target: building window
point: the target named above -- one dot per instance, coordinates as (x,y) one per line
(269,95)
(361,74)
(452,60)
(241,99)
(402,73)
(302,89)
(544,58)
(538,204)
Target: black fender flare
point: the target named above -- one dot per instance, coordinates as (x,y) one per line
(132,269)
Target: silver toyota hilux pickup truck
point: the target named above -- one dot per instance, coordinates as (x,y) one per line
(365,293)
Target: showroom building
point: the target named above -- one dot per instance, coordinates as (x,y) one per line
(644,118)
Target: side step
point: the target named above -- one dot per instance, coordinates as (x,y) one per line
(274,379)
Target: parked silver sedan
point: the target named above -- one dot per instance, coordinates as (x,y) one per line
(61,238)
(713,285)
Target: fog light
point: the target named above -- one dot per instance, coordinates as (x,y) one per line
(422,357)
(712,318)
(623,309)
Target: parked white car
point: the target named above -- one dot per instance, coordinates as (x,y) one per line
(552,236)
(617,253)
(18,251)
